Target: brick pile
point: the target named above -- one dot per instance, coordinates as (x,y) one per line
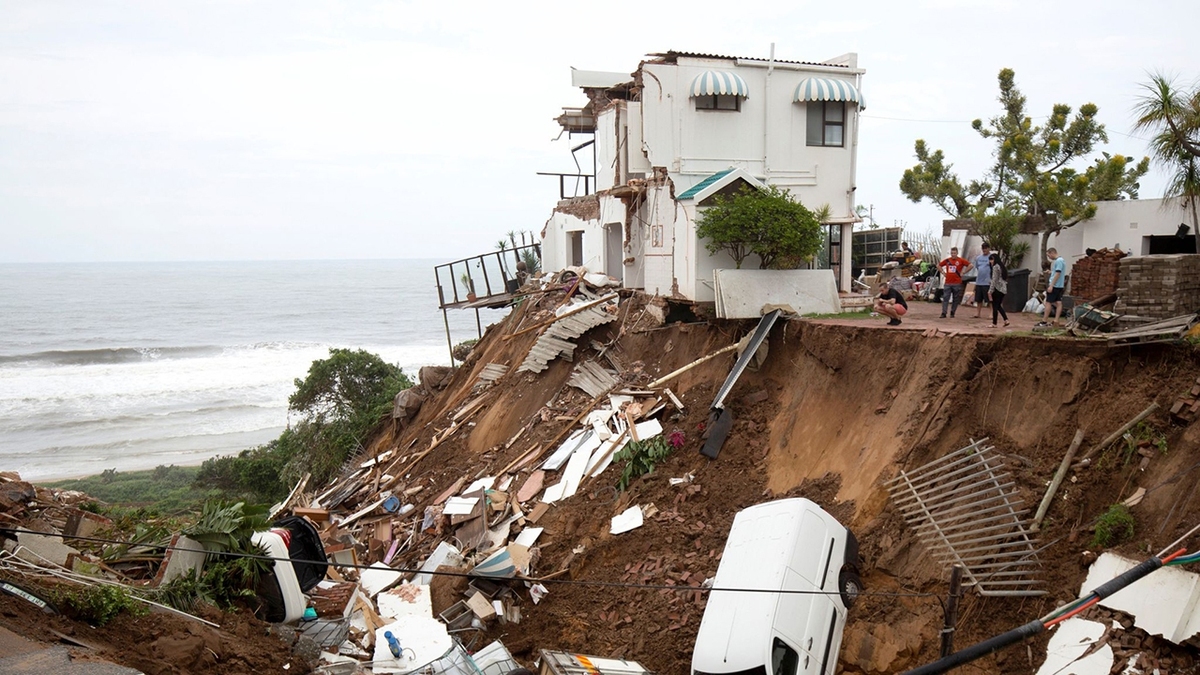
(1159,286)
(1096,275)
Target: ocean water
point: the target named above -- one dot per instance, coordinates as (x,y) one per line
(131,365)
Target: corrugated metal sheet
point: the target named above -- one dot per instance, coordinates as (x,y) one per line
(592,379)
(671,56)
(558,339)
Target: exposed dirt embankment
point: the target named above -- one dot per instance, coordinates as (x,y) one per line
(836,411)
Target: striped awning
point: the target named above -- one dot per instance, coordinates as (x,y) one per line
(719,82)
(827,89)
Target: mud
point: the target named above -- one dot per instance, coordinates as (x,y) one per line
(839,409)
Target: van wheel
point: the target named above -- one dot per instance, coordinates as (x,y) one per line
(849,586)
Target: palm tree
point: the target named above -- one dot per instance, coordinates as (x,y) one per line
(1175,117)
(1173,112)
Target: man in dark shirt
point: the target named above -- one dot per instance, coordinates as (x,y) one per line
(890,303)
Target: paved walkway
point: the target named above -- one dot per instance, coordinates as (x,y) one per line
(925,315)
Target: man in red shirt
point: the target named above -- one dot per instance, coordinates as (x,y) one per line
(952,284)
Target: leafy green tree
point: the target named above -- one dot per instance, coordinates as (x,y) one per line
(341,401)
(1035,170)
(765,222)
(1174,117)
(1000,228)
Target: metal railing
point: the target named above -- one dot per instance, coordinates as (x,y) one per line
(482,277)
(562,183)
(964,508)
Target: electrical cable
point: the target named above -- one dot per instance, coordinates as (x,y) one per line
(532,580)
(981,649)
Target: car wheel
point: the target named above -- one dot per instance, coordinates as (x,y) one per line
(849,586)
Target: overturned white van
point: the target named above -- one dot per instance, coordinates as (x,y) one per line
(779,600)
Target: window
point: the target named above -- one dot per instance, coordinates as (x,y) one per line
(826,123)
(784,659)
(719,102)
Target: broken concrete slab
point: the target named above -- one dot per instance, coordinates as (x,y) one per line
(405,600)
(1072,649)
(1163,603)
(185,556)
(40,549)
(378,577)
(423,640)
(742,294)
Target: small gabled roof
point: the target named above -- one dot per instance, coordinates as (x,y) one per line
(705,188)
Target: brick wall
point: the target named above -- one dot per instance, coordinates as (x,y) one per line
(1093,277)
(1159,286)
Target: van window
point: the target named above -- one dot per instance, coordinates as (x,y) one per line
(784,659)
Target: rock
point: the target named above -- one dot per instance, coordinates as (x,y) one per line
(435,378)
(756,396)
(407,403)
(306,649)
(284,632)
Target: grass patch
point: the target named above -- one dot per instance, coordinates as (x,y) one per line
(1113,527)
(860,314)
(168,489)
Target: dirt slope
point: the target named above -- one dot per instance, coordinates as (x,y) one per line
(840,409)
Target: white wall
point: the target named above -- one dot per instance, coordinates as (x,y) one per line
(1123,223)
(767,137)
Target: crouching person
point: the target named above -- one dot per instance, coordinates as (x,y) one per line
(891,304)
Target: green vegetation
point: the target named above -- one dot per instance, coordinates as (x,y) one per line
(765,222)
(641,457)
(1173,115)
(851,314)
(97,605)
(462,350)
(1031,173)
(1113,527)
(168,489)
(341,401)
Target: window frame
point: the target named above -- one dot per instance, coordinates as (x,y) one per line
(715,100)
(825,124)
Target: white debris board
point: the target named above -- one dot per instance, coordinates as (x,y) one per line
(742,294)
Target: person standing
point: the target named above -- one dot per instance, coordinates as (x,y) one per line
(999,287)
(952,286)
(891,304)
(1054,287)
(983,278)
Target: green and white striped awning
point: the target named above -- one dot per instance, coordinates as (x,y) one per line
(719,82)
(827,89)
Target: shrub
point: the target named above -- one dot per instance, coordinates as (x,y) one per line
(640,458)
(1113,527)
(97,605)
(766,222)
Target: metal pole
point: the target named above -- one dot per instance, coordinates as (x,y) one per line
(449,343)
(951,617)
(478,326)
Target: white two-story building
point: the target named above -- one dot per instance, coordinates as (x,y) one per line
(684,127)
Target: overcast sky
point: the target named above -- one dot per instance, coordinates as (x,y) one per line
(175,130)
